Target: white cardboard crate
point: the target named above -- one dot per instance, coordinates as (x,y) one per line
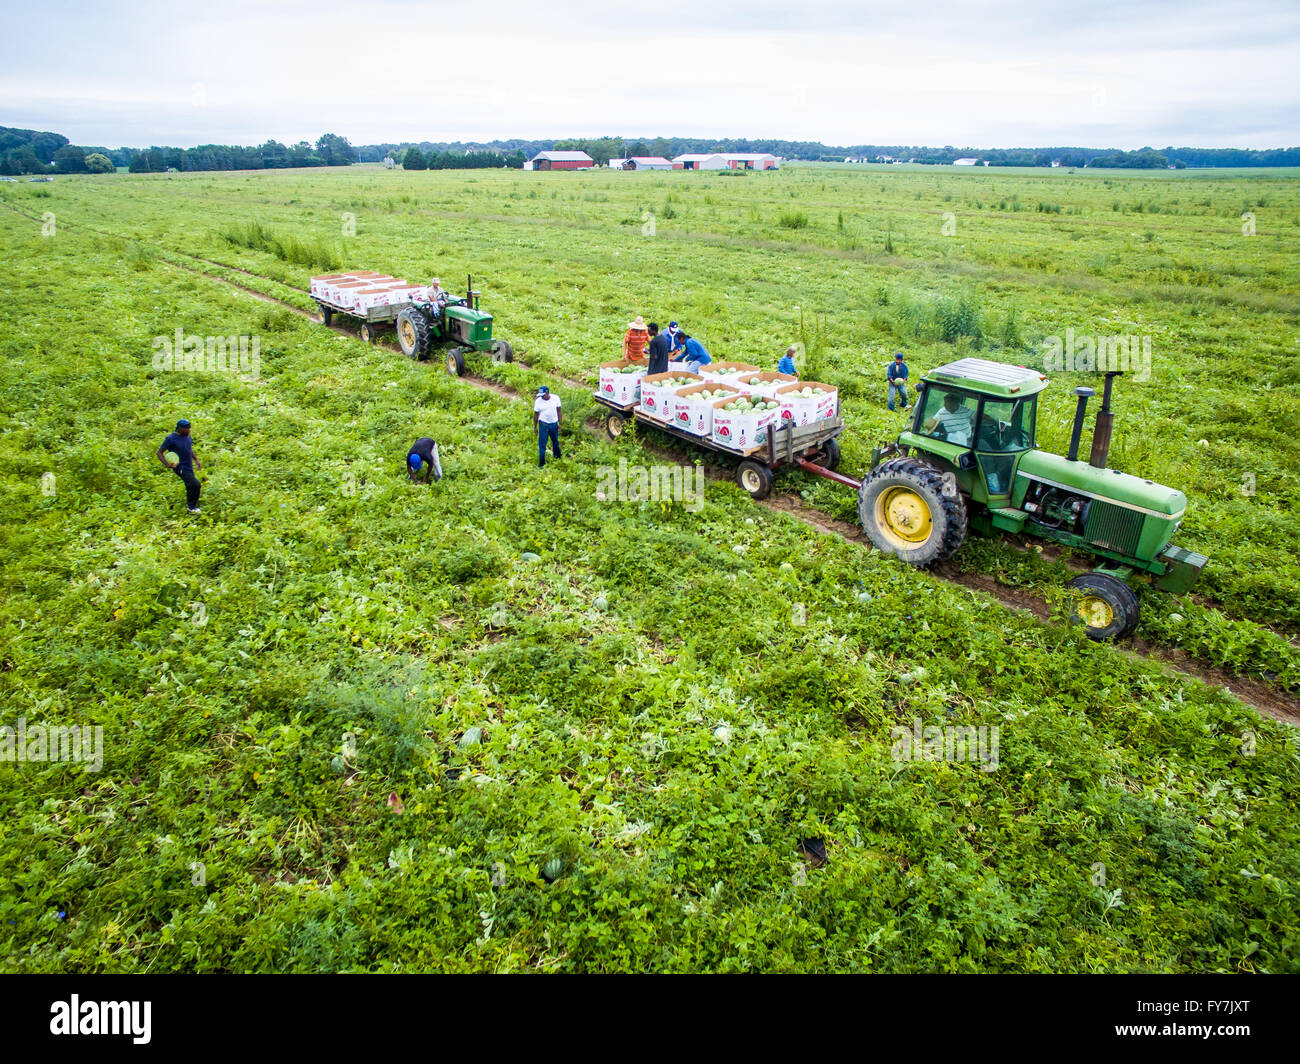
(739,430)
(694,414)
(795,408)
(658,391)
(622,389)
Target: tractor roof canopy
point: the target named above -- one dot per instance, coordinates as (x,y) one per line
(989,378)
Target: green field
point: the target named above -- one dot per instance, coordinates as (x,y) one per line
(670,700)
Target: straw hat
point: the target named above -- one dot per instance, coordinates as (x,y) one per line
(638,324)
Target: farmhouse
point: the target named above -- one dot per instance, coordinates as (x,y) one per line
(964,162)
(641,162)
(559,160)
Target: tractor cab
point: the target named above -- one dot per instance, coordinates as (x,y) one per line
(980,417)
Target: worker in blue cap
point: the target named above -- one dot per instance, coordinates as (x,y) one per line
(180,444)
(546,420)
(422,461)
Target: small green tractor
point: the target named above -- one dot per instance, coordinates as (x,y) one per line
(423,323)
(970,460)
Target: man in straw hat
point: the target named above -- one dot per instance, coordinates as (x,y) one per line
(635,340)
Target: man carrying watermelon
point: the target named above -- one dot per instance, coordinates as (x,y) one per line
(179,446)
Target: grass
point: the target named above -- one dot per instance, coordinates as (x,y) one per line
(650,713)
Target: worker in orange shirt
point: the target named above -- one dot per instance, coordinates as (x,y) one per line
(635,340)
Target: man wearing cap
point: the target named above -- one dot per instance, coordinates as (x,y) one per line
(422,460)
(635,339)
(182,445)
(896,375)
(546,420)
(657,352)
(435,295)
(676,338)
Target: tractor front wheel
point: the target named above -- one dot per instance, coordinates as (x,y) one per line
(456,361)
(502,351)
(412,333)
(1108,607)
(907,510)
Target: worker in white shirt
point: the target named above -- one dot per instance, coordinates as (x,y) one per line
(546,420)
(435,295)
(954,421)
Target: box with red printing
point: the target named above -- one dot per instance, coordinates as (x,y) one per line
(740,429)
(803,410)
(622,389)
(658,389)
(693,411)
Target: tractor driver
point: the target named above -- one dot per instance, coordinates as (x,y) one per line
(954,422)
(435,295)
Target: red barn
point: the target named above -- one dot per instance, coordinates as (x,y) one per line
(561,160)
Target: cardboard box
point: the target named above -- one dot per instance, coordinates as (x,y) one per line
(659,389)
(622,389)
(801,411)
(764,383)
(742,431)
(726,371)
(694,413)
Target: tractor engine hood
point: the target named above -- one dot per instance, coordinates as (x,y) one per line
(468,314)
(1110,485)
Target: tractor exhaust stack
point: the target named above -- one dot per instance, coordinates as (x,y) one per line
(1084,395)
(1105,422)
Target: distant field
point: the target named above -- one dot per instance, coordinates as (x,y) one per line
(651,716)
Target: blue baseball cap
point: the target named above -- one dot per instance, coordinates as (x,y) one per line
(672,325)
(414,461)
(182,424)
(542,389)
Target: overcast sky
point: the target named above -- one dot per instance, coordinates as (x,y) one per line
(985,73)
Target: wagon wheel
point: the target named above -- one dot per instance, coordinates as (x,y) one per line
(755,478)
(456,361)
(828,455)
(324,315)
(502,351)
(615,424)
(367,333)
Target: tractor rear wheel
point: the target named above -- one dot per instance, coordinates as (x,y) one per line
(412,333)
(502,351)
(755,478)
(1108,607)
(456,361)
(907,510)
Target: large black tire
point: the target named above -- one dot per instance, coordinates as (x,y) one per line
(755,478)
(1108,608)
(412,333)
(456,361)
(502,351)
(828,455)
(906,511)
(326,314)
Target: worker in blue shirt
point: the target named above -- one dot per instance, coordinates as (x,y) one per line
(786,365)
(181,444)
(676,338)
(896,375)
(693,354)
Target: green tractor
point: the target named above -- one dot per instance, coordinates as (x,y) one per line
(970,460)
(423,324)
